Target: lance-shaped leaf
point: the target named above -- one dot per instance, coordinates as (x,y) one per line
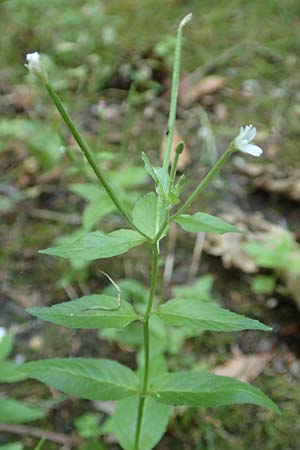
(98,245)
(6,343)
(92,379)
(205,222)
(206,389)
(205,316)
(144,214)
(12,411)
(13,446)
(154,423)
(11,372)
(91,311)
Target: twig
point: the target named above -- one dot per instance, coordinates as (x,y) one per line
(46,214)
(197,252)
(70,441)
(70,291)
(168,271)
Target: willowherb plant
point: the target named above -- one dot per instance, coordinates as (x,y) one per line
(144,398)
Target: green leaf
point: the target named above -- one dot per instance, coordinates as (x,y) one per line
(128,177)
(149,168)
(88,425)
(263,284)
(131,336)
(130,290)
(162,182)
(144,214)
(42,139)
(96,211)
(99,204)
(12,411)
(200,289)
(11,372)
(92,379)
(88,191)
(82,313)
(40,444)
(205,222)
(6,343)
(13,446)
(206,389)
(205,316)
(98,245)
(155,420)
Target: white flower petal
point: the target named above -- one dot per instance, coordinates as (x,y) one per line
(251,133)
(33,58)
(243,141)
(252,149)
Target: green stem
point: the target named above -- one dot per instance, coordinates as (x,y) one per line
(89,156)
(214,170)
(174,97)
(143,392)
(179,149)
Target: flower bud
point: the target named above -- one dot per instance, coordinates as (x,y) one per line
(34,66)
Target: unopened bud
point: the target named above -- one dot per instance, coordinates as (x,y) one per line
(185,20)
(180,147)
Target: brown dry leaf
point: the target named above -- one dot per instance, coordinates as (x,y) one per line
(244,367)
(106,407)
(208,86)
(292,282)
(273,179)
(20,99)
(184,158)
(230,246)
(26,297)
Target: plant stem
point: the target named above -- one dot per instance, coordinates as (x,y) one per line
(143,392)
(214,170)
(89,156)
(174,93)
(179,149)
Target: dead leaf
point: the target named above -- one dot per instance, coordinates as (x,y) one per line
(230,246)
(25,296)
(244,367)
(20,99)
(273,179)
(208,86)
(184,158)
(220,112)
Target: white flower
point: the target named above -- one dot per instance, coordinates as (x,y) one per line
(243,141)
(34,66)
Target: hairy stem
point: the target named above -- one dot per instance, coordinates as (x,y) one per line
(89,156)
(143,392)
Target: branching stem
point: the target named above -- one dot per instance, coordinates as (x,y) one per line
(213,171)
(89,156)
